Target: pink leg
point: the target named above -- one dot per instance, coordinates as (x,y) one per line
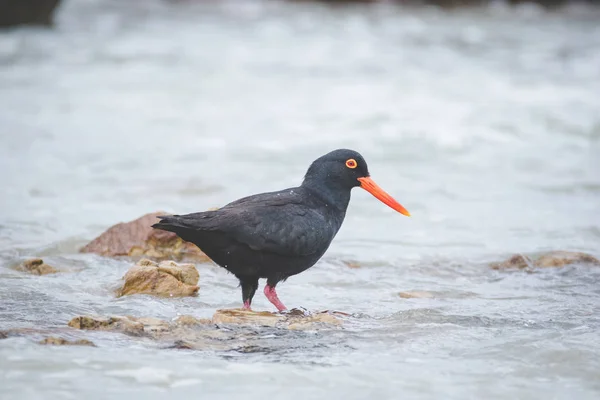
(272,296)
(247,305)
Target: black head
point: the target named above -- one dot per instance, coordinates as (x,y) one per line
(333,175)
(339,168)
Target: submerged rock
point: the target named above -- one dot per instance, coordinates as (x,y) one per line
(167,279)
(551,259)
(125,325)
(188,320)
(57,341)
(137,238)
(562,258)
(36,266)
(417,294)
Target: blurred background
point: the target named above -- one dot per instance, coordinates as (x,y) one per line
(481,117)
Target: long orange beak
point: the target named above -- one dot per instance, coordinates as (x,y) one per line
(370,186)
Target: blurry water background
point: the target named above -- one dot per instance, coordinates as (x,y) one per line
(484,123)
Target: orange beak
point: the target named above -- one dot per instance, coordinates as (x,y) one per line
(370,186)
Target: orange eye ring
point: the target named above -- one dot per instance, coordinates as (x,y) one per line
(351,163)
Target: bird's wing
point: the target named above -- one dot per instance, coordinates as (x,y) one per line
(278,222)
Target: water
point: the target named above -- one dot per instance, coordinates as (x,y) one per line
(483,123)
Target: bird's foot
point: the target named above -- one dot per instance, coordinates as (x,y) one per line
(247,306)
(272,296)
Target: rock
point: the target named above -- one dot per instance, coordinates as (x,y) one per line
(138,239)
(562,258)
(551,259)
(352,264)
(517,261)
(246,317)
(115,323)
(188,320)
(292,320)
(167,279)
(313,321)
(57,341)
(416,294)
(3,335)
(32,12)
(36,266)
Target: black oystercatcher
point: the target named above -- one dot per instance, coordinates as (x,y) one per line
(279,234)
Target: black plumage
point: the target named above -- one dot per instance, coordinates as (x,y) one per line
(279,234)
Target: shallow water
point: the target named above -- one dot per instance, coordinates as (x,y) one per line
(483,123)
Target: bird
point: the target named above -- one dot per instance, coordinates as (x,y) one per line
(276,235)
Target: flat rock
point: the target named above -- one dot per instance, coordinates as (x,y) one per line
(167,279)
(562,258)
(125,325)
(292,320)
(137,238)
(417,294)
(36,266)
(58,341)
(188,320)
(546,260)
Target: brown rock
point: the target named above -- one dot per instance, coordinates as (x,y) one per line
(167,279)
(246,317)
(517,261)
(551,259)
(3,335)
(138,239)
(188,320)
(118,324)
(313,321)
(292,320)
(352,264)
(57,341)
(416,294)
(562,258)
(36,266)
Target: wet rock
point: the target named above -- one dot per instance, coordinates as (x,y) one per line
(36,266)
(314,321)
(138,239)
(31,12)
(167,279)
(352,264)
(562,258)
(114,323)
(517,261)
(246,317)
(417,294)
(292,320)
(188,320)
(547,260)
(57,341)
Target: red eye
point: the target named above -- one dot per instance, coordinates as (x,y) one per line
(351,163)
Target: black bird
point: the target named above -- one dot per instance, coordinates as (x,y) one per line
(279,234)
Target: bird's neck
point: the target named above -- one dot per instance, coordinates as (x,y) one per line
(331,193)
